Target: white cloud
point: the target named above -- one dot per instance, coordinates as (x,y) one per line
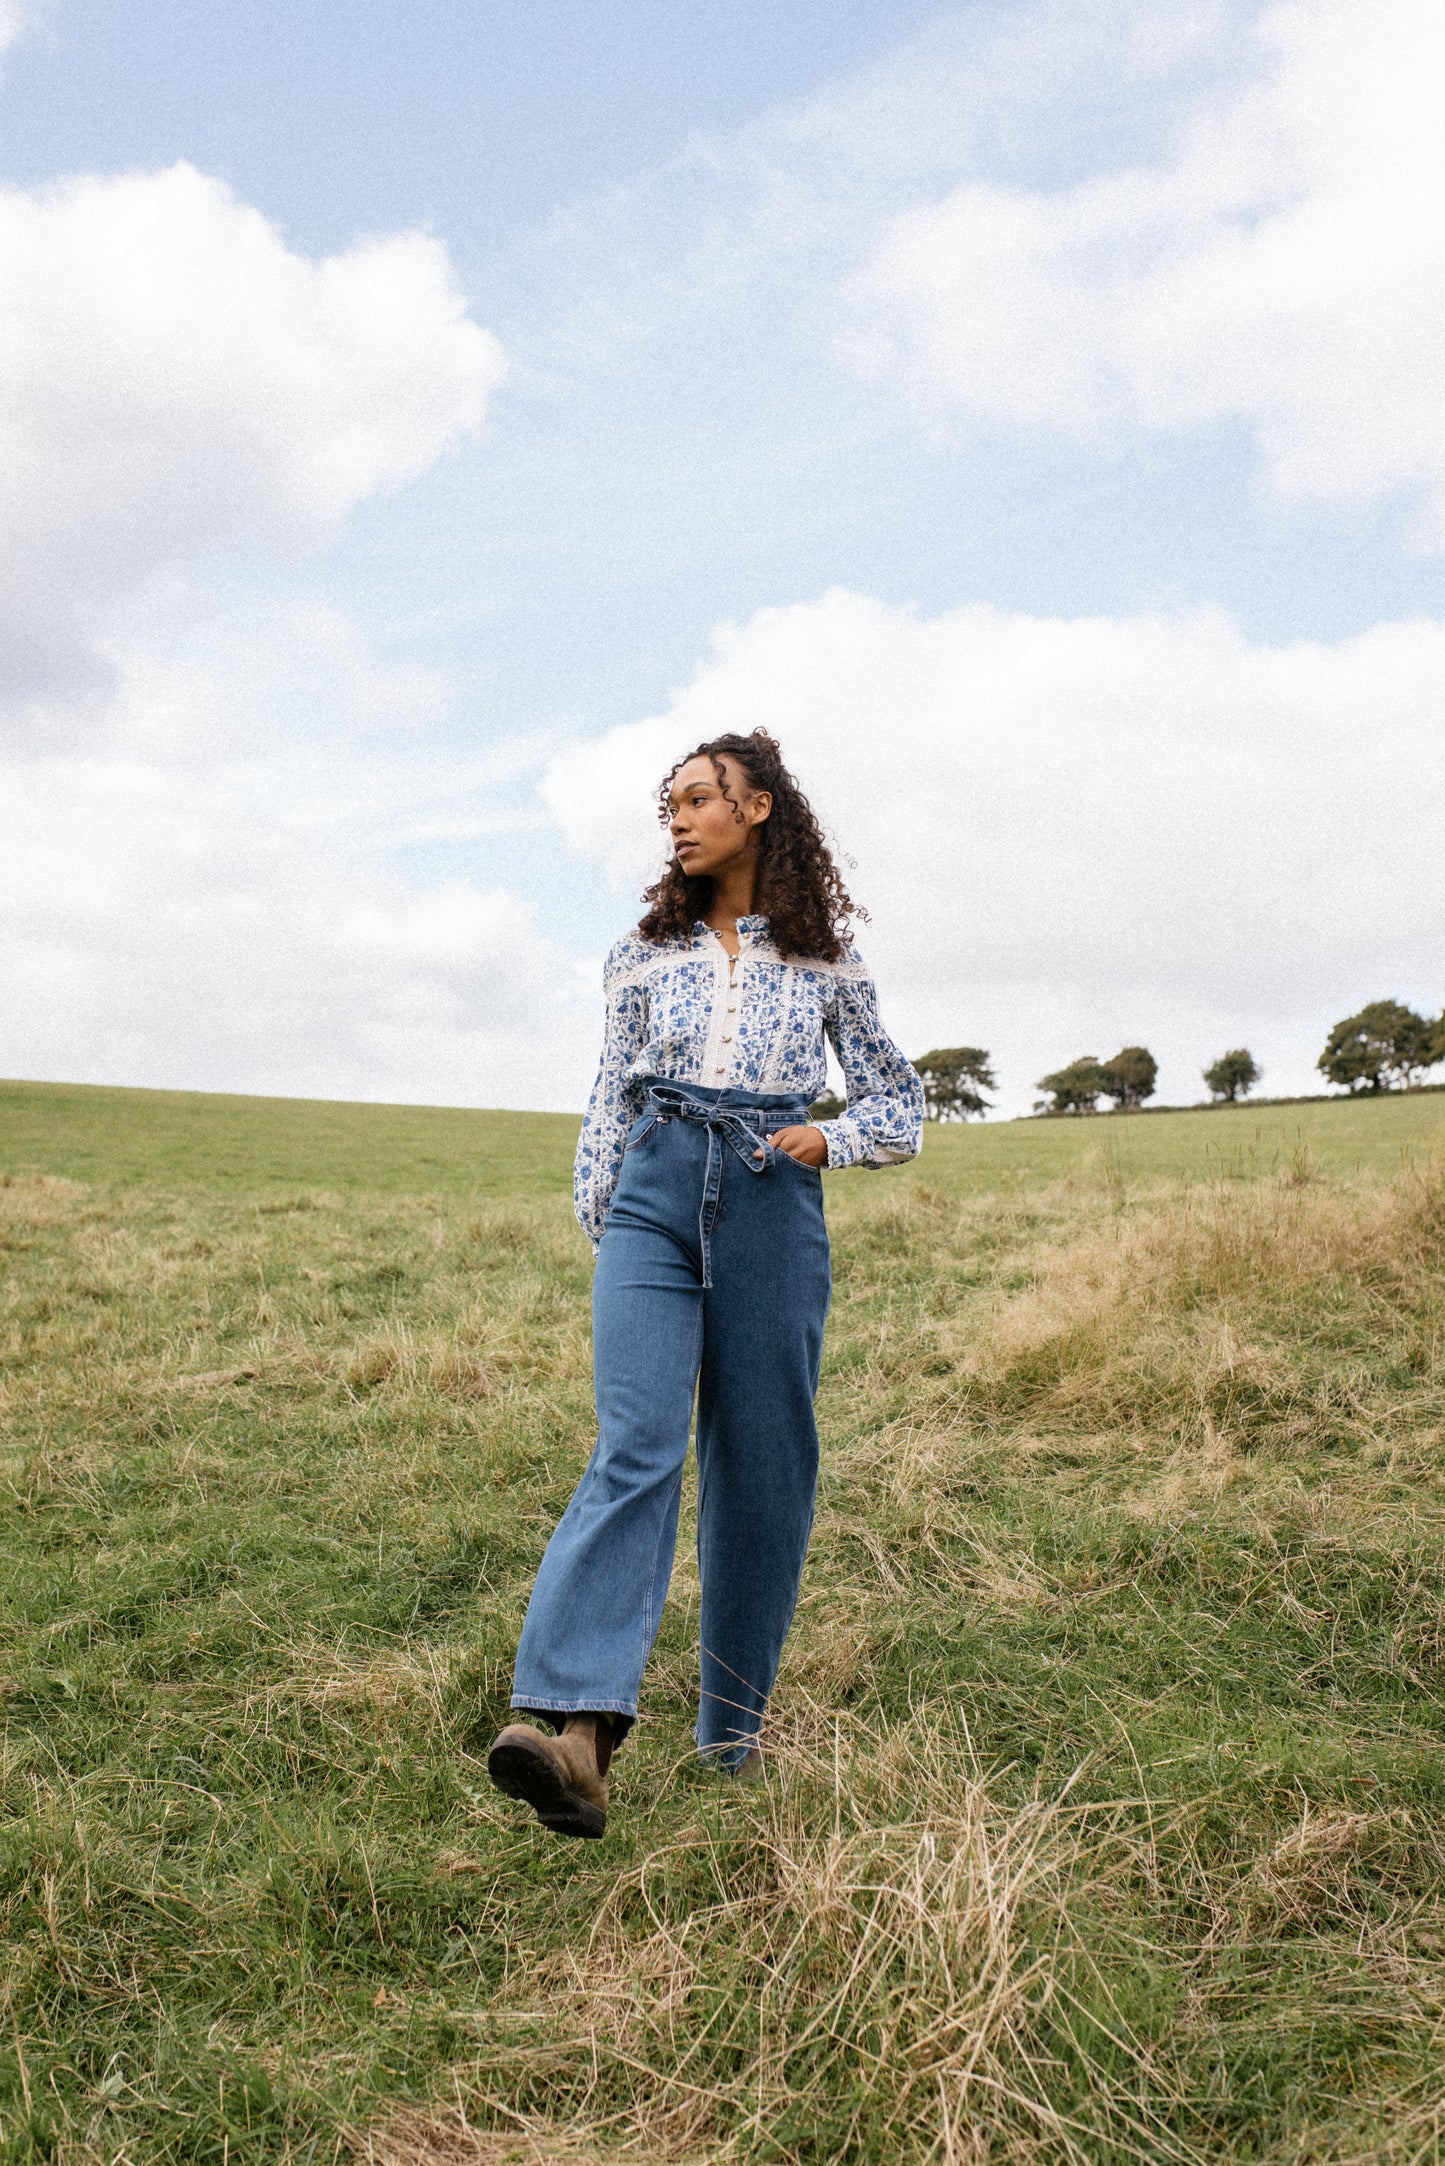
(257,672)
(175,381)
(14,20)
(1285,267)
(1075,834)
(210,775)
(173,927)
(225,900)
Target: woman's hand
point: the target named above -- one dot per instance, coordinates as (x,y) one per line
(808,1145)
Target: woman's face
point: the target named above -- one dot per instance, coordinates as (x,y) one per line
(710,830)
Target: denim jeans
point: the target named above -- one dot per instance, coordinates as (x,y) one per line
(712,1282)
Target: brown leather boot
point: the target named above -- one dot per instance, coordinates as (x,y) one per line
(563,1779)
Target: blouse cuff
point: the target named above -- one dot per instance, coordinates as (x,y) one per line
(844,1140)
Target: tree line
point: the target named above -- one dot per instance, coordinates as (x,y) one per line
(1386,1046)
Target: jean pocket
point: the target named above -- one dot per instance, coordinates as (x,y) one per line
(640,1130)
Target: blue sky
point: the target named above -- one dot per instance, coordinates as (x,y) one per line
(424,423)
(478,120)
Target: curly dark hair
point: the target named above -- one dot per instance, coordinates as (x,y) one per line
(800,890)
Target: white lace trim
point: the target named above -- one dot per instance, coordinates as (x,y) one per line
(717,1052)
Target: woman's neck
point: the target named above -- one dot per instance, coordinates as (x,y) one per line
(732,898)
(733,894)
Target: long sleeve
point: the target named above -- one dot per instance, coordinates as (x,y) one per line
(616,1097)
(884,1120)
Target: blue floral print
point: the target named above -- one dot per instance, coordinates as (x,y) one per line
(676,1009)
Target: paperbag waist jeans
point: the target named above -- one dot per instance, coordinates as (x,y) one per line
(712,1283)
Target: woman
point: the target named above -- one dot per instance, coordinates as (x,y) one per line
(697,1181)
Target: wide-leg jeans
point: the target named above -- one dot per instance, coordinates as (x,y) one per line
(712,1283)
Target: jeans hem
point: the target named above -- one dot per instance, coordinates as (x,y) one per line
(528,1703)
(728,1758)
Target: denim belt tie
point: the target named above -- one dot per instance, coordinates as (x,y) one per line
(724,1125)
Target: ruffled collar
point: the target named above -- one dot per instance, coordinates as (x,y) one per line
(749,928)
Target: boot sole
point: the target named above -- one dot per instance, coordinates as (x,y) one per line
(528,1772)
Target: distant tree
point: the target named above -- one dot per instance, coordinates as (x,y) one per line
(1384,1045)
(1233,1075)
(1437,1041)
(828,1107)
(1077,1088)
(954,1080)
(1132,1073)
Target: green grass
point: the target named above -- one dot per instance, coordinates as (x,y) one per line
(1334,1135)
(84,1132)
(1106,1813)
(146,1137)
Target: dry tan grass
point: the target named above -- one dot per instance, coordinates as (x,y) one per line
(38,1199)
(213,1379)
(458,1374)
(475,1360)
(889,1934)
(1302,1881)
(1188,1306)
(448,2138)
(394,1678)
(1416,2138)
(1207,1240)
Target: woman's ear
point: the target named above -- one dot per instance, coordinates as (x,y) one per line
(759,806)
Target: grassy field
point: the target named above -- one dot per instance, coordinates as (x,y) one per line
(1106,1815)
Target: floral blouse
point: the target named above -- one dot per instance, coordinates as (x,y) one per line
(675,1009)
